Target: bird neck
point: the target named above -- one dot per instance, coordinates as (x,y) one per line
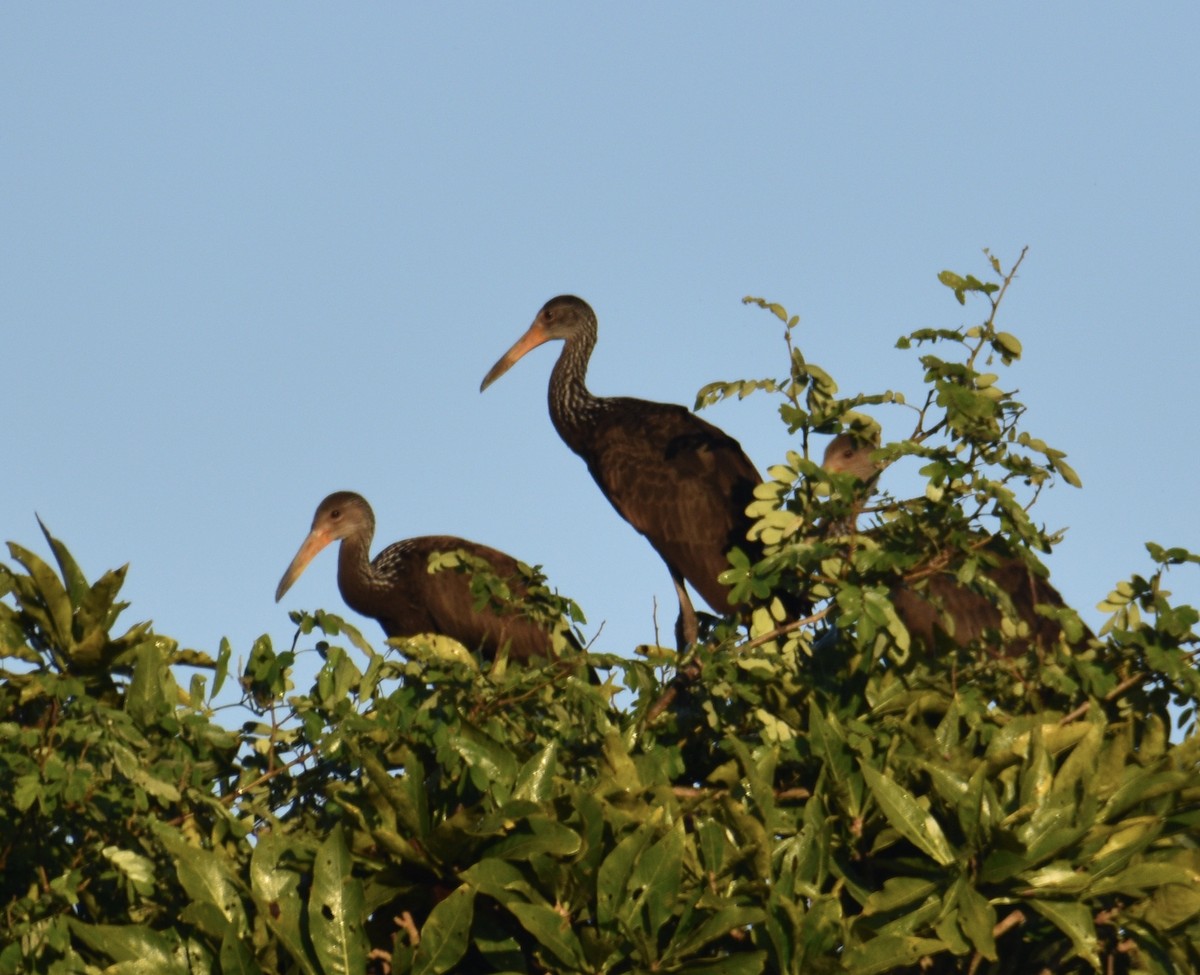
(573,409)
(357,577)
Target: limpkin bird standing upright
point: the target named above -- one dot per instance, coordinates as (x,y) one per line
(397,589)
(679,480)
(942,604)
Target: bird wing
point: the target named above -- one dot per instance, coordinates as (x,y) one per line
(448,601)
(681,482)
(972,613)
(400,608)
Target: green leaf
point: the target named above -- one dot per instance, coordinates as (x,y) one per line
(153,691)
(717,925)
(139,949)
(500,880)
(27,792)
(657,875)
(905,814)
(208,879)
(235,957)
(1068,473)
(444,933)
(742,963)
(548,836)
(222,669)
(899,892)
(536,777)
(138,870)
(1008,345)
(1171,905)
(889,953)
(406,794)
(613,877)
(714,844)
(1075,921)
(955,283)
(552,930)
(1144,876)
(492,762)
(52,606)
(335,909)
(274,883)
(976,918)
(775,309)
(77,585)
(131,768)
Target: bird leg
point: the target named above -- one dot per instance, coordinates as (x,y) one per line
(687,628)
(687,632)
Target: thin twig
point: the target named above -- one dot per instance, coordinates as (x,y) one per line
(600,629)
(408,926)
(1112,695)
(1116,692)
(1010,922)
(232,797)
(1008,279)
(787,628)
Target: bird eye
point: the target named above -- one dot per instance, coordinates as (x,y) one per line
(335,513)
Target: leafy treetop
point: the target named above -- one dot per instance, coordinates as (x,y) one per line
(800,796)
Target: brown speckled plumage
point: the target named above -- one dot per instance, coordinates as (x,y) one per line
(397,589)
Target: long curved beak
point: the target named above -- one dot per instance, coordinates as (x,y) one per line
(317,539)
(534,337)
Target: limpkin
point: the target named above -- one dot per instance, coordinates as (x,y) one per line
(941,603)
(679,480)
(397,589)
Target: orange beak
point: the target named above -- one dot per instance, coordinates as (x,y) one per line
(536,335)
(317,539)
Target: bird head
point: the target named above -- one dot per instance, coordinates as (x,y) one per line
(851,453)
(340,515)
(560,318)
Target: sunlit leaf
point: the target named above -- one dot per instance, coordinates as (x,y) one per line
(335,909)
(906,815)
(1075,921)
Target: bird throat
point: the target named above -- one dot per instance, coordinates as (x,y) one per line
(573,409)
(358,579)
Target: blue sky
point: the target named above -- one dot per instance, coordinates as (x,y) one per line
(254,253)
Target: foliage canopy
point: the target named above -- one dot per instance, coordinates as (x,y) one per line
(822,795)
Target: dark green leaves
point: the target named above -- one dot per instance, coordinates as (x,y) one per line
(445,935)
